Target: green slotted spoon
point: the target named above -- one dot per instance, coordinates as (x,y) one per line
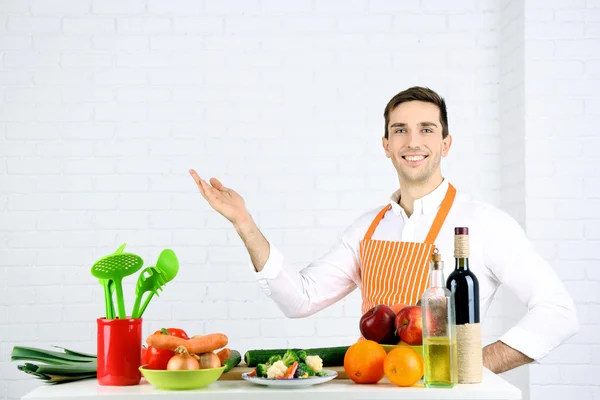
(109,288)
(115,267)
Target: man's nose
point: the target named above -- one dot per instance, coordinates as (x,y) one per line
(414,140)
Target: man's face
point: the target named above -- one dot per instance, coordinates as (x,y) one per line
(415,142)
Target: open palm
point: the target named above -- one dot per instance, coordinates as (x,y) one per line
(225,201)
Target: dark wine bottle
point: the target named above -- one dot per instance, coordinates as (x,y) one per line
(464,285)
(462,282)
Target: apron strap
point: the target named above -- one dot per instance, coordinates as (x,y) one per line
(376,221)
(441,215)
(437,222)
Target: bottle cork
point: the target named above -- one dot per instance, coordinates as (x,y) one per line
(461,242)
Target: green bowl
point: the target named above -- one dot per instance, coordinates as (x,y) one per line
(390,347)
(182,380)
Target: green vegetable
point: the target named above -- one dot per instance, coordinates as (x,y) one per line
(67,366)
(301,355)
(47,356)
(75,353)
(331,356)
(261,370)
(321,373)
(273,359)
(303,371)
(234,359)
(289,358)
(255,357)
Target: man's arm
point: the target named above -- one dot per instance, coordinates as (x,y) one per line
(255,242)
(296,293)
(231,205)
(551,316)
(499,358)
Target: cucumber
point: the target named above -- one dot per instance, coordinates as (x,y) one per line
(234,359)
(331,356)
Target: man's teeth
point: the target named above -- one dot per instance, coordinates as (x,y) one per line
(414,158)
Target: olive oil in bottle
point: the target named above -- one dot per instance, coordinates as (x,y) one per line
(438,354)
(439,329)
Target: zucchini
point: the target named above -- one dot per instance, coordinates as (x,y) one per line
(331,356)
(234,359)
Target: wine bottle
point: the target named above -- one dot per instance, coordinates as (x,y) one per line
(463,284)
(439,329)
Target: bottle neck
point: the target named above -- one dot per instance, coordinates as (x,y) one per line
(462,263)
(436,278)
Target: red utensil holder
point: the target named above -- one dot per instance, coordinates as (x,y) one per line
(119,351)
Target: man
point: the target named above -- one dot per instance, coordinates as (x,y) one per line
(421,215)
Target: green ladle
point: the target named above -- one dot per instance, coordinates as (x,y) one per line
(168,265)
(115,267)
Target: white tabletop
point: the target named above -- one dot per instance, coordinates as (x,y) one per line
(492,387)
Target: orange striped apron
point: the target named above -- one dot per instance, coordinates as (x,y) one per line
(398,272)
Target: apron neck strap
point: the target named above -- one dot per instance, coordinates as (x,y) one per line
(437,222)
(441,215)
(375,222)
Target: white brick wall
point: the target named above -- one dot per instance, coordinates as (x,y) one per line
(511,17)
(105,105)
(561,41)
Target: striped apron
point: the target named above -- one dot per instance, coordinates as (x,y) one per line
(398,272)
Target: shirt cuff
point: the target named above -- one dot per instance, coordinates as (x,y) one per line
(270,270)
(527,343)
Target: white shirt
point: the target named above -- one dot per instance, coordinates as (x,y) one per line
(500,253)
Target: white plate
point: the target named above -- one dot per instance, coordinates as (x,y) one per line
(296,382)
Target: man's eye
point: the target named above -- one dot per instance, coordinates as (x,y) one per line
(426,130)
(399,131)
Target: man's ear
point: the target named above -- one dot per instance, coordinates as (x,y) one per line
(446,144)
(386,146)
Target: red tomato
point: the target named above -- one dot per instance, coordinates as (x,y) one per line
(144,355)
(159,358)
(174,332)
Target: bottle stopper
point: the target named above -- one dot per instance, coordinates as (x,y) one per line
(436,259)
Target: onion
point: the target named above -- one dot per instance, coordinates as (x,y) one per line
(209,360)
(182,360)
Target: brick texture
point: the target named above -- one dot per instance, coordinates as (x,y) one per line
(105,105)
(558,35)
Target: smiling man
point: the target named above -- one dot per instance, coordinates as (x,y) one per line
(420,215)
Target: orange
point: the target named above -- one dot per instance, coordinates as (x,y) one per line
(363,362)
(403,366)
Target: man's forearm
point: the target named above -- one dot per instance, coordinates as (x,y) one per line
(255,242)
(499,357)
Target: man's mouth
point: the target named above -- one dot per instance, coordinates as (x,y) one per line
(414,158)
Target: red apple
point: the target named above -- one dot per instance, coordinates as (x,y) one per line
(377,324)
(409,325)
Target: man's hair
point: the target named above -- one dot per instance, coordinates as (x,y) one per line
(417,93)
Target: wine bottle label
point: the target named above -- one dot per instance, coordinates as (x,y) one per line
(461,246)
(470,353)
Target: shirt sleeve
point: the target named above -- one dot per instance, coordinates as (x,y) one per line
(322,283)
(551,316)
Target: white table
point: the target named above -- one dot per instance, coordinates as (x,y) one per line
(492,387)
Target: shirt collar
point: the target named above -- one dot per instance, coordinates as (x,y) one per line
(426,204)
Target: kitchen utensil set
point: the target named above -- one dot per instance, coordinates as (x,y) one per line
(111,269)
